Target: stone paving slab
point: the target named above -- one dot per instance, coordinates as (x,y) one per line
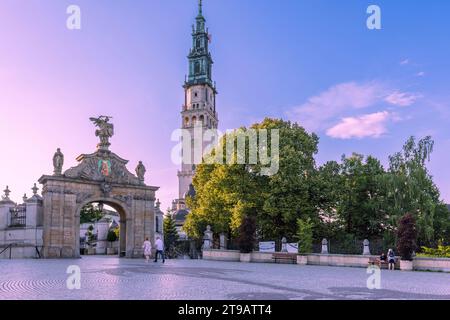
(123,279)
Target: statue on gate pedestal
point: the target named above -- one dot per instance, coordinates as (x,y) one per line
(140,172)
(58,161)
(105,131)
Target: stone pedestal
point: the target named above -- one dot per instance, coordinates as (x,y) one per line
(324,246)
(366,250)
(223,241)
(302,259)
(34,211)
(245,257)
(406,265)
(5,205)
(284,245)
(208,238)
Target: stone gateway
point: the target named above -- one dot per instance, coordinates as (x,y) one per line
(99,177)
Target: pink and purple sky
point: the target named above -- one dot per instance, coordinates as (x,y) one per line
(314,62)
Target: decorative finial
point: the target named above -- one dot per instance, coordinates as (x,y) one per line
(7,192)
(25,198)
(200,7)
(158,204)
(35,189)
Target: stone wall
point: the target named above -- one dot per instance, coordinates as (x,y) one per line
(221,255)
(336,260)
(263,257)
(339,260)
(432,264)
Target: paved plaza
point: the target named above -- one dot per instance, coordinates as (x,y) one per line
(117,279)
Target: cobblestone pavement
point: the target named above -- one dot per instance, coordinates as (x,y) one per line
(117,279)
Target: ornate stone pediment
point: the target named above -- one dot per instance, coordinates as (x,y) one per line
(102,166)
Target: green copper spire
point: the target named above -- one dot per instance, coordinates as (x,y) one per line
(200,8)
(200,60)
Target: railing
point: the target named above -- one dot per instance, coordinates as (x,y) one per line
(11,245)
(7,247)
(18,217)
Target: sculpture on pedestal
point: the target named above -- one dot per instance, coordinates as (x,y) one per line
(105,131)
(140,171)
(58,162)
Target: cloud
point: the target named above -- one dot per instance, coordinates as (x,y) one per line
(404,62)
(317,112)
(369,125)
(345,101)
(420,74)
(402,99)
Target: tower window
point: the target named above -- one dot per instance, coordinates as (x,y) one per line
(197,67)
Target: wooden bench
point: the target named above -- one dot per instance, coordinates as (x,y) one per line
(383,264)
(283,257)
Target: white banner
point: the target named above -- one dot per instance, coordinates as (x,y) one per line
(268,246)
(292,247)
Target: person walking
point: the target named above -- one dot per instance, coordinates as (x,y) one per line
(147,246)
(159,244)
(391,259)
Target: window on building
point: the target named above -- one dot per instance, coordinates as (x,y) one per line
(197,67)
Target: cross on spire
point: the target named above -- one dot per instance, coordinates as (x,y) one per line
(200,7)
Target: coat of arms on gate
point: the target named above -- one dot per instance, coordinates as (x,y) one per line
(104,167)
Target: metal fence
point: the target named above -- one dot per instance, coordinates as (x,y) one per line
(352,246)
(18,217)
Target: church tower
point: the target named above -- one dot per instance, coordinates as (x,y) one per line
(199,109)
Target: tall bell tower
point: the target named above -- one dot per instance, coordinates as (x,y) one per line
(199,109)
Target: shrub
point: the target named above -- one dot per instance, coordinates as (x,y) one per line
(305,235)
(440,252)
(407,237)
(112,236)
(247,232)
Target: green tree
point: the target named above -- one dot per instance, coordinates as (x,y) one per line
(411,190)
(226,193)
(89,213)
(111,236)
(305,235)
(170,232)
(359,207)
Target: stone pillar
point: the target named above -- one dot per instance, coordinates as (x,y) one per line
(208,238)
(34,211)
(223,241)
(284,245)
(5,205)
(324,246)
(366,250)
(102,234)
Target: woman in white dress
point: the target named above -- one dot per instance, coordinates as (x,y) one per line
(147,246)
